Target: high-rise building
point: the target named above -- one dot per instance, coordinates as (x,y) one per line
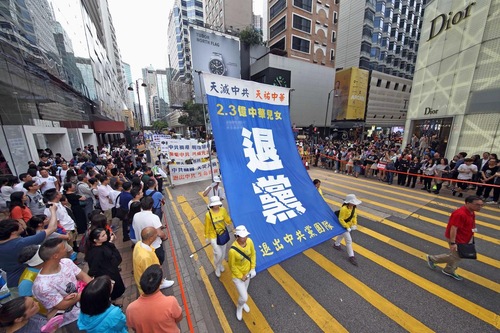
(129,81)
(305,29)
(157,95)
(228,15)
(59,77)
(258,23)
(382,36)
(181,16)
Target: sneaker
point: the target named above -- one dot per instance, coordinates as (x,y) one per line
(217,271)
(490,203)
(430,263)
(239,312)
(353,261)
(337,247)
(166,284)
(221,268)
(453,275)
(246,308)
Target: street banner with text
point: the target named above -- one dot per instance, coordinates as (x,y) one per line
(267,187)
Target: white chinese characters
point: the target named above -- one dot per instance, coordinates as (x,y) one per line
(275,192)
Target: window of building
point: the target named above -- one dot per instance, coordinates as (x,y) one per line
(396,86)
(332,55)
(303,4)
(301,23)
(337,2)
(334,36)
(277,28)
(276,8)
(365,47)
(301,44)
(404,87)
(388,85)
(379,82)
(364,63)
(279,44)
(335,17)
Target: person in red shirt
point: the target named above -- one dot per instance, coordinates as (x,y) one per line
(460,229)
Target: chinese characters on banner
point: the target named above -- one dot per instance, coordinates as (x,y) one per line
(267,187)
(189,159)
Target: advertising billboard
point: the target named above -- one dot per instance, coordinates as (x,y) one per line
(349,99)
(214,53)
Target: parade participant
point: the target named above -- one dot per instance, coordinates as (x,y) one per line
(215,189)
(460,230)
(242,262)
(216,221)
(153,311)
(348,218)
(317,184)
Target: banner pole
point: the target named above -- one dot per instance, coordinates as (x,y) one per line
(203,96)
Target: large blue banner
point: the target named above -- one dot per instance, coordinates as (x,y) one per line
(268,189)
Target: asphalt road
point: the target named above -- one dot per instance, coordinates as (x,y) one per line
(392,289)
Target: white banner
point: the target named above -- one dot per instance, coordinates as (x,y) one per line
(189,173)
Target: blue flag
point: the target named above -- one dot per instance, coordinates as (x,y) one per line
(268,189)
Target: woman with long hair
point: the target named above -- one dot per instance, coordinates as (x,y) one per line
(103,259)
(71,177)
(77,206)
(18,210)
(98,314)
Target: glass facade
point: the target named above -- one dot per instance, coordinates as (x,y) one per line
(54,64)
(394,30)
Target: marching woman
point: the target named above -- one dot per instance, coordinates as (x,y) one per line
(216,221)
(242,262)
(348,218)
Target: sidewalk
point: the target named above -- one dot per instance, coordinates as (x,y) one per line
(178,266)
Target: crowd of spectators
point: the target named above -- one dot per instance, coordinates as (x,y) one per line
(61,207)
(421,160)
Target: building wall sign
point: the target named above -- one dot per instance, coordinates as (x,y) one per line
(446,21)
(429,111)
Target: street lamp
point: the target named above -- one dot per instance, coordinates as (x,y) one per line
(141,124)
(327,107)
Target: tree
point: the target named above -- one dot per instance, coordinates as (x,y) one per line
(193,115)
(158,125)
(251,36)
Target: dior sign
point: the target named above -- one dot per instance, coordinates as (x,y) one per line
(430,111)
(446,21)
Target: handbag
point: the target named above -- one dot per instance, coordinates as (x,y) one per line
(467,250)
(222,237)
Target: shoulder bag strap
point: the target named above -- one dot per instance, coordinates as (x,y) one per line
(117,198)
(241,252)
(350,217)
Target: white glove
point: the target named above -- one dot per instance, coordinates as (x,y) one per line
(354,227)
(252,273)
(349,229)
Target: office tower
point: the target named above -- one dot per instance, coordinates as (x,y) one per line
(157,95)
(228,15)
(183,14)
(304,29)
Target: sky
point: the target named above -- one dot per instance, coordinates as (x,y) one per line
(141,31)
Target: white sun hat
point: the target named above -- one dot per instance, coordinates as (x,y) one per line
(351,199)
(215,201)
(241,231)
(217,179)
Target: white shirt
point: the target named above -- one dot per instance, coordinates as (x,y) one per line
(20,187)
(104,193)
(144,219)
(470,170)
(62,216)
(62,174)
(50,182)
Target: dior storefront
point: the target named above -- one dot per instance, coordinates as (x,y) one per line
(456,87)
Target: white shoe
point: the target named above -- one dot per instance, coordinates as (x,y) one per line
(239,312)
(166,284)
(246,308)
(221,268)
(217,271)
